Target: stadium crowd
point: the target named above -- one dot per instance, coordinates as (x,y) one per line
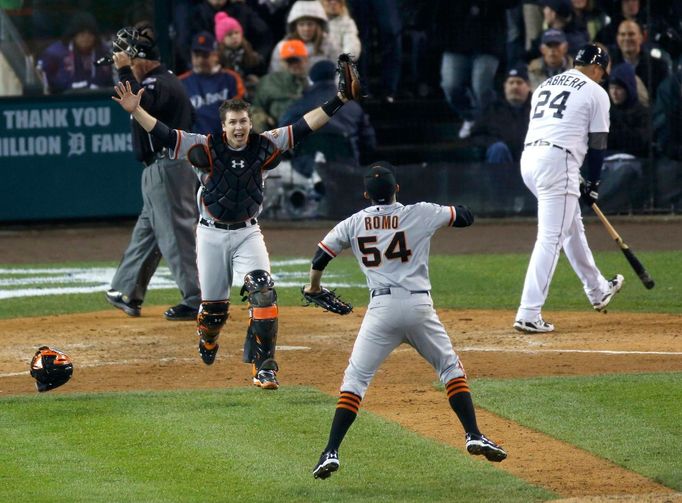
(484,57)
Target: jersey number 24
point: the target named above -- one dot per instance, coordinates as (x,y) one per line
(371,255)
(558,103)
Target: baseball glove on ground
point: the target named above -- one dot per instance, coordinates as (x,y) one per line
(349,79)
(327,300)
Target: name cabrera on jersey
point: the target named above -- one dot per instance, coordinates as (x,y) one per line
(565,108)
(391,243)
(283,139)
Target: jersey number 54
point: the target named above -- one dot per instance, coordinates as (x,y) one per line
(396,249)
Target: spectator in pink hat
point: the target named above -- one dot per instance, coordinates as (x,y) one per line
(236,53)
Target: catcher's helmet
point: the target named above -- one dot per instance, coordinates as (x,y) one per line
(136,42)
(592,54)
(50,368)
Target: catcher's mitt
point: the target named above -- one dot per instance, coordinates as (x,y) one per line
(349,79)
(50,368)
(327,300)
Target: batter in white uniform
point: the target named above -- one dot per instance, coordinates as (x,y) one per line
(569,124)
(391,243)
(231,170)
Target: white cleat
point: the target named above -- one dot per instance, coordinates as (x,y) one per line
(533,327)
(615,285)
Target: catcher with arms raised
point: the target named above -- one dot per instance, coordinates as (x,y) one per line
(231,170)
(391,243)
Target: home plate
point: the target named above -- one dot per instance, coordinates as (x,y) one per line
(292,348)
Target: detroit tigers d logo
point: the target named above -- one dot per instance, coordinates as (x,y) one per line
(238,164)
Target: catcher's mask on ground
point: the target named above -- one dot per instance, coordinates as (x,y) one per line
(380,183)
(50,368)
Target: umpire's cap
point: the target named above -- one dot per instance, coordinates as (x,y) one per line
(592,54)
(380,182)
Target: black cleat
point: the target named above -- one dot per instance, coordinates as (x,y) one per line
(266,379)
(181,312)
(328,464)
(208,355)
(130,307)
(481,445)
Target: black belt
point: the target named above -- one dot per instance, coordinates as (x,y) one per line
(543,143)
(387,291)
(228,227)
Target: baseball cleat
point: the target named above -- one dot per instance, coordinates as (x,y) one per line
(533,327)
(181,312)
(328,464)
(116,299)
(208,351)
(266,379)
(615,284)
(481,445)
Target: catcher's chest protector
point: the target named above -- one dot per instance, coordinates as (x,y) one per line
(233,191)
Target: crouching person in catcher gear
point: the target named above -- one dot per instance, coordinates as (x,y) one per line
(391,243)
(231,170)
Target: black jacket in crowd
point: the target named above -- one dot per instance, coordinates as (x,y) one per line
(165,98)
(350,121)
(471,27)
(630,130)
(659,69)
(504,122)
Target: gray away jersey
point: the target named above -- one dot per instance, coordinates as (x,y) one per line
(391,243)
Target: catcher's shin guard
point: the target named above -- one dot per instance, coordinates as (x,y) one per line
(211,319)
(261,336)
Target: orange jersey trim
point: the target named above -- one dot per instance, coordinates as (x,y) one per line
(269,159)
(453,214)
(326,249)
(178,141)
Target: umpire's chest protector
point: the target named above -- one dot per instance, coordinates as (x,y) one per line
(233,190)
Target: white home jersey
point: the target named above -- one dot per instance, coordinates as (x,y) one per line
(391,242)
(565,108)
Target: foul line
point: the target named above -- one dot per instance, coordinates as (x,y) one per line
(595,351)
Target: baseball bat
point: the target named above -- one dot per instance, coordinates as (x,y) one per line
(647,280)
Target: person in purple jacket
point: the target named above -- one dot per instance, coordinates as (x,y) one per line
(69,64)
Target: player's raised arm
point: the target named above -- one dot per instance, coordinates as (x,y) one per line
(130,102)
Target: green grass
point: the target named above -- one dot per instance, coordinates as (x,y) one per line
(633,420)
(461,281)
(226,445)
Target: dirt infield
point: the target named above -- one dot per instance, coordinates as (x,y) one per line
(151,353)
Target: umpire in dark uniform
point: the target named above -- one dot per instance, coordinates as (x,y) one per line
(165,227)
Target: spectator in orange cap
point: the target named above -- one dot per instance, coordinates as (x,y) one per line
(277,90)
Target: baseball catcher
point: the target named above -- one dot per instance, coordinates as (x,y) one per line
(231,168)
(50,368)
(327,300)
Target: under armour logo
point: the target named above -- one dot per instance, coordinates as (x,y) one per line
(238,164)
